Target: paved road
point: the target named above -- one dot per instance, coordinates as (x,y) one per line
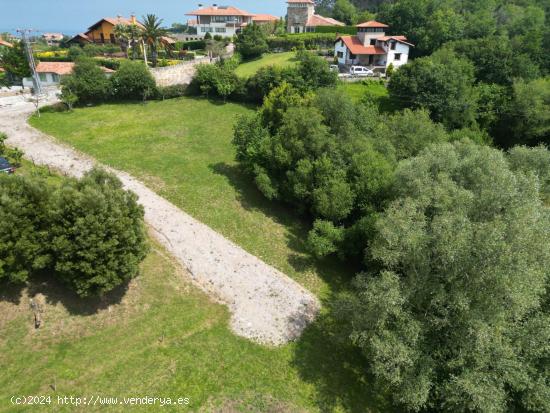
(266,305)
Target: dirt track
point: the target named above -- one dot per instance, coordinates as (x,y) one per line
(266,305)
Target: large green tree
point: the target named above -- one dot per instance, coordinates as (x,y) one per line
(14,61)
(458,317)
(251,42)
(442,83)
(88,82)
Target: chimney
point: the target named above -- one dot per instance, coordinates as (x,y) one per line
(215,6)
(133,18)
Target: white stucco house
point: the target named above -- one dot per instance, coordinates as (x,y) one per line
(225,21)
(371,47)
(51,73)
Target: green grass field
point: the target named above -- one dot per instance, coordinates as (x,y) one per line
(159,336)
(182,149)
(247,69)
(378,92)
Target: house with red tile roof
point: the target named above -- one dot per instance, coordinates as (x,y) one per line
(51,73)
(301,17)
(371,47)
(103,31)
(224,21)
(264,18)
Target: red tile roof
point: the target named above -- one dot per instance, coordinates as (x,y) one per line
(116,20)
(317,20)
(4,43)
(61,68)
(355,46)
(264,18)
(401,39)
(373,23)
(301,1)
(219,11)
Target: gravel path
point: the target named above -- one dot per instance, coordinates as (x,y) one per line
(266,305)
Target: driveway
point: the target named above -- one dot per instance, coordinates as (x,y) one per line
(266,305)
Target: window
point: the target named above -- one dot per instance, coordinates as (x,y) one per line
(397,56)
(372,42)
(352,56)
(113,38)
(220,29)
(340,54)
(55,77)
(42,77)
(392,45)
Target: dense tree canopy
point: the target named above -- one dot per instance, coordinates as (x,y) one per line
(251,42)
(458,317)
(87,82)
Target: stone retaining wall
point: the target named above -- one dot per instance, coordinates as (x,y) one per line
(180,74)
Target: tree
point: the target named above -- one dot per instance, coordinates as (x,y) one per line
(15,62)
(121,32)
(133,81)
(530,112)
(251,42)
(23,227)
(87,81)
(441,83)
(96,231)
(457,318)
(344,11)
(152,34)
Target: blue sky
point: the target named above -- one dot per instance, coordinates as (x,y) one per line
(71,16)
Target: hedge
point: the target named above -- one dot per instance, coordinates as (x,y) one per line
(337,29)
(308,40)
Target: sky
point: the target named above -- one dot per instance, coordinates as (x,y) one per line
(71,17)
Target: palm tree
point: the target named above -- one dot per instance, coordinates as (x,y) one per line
(152,34)
(122,35)
(134,32)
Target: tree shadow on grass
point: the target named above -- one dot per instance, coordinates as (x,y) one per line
(55,292)
(325,358)
(334,272)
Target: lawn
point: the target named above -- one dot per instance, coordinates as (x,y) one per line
(248,69)
(160,336)
(377,91)
(182,149)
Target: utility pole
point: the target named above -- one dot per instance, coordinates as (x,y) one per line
(30,57)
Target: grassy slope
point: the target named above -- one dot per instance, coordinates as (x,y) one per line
(377,91)
(182,149)
(273,59)
(160,336)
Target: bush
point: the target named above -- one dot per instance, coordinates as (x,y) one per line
(23,228)
(343,30)
(133,81)
(87,82)
(13,155)
(171,92)
(96,231)
(303,40)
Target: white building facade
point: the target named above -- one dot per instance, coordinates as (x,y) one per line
(225,21)
(371,47)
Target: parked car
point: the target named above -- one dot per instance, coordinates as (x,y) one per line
(5,166)
(334,68)
(360,71)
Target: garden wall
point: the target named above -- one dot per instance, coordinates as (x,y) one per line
(180,74)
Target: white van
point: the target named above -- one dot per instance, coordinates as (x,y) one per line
(360,71)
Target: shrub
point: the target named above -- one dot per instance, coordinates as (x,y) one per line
(97,236)
(303,40)
(13,155)
(133,81)
(23,227)
(88,82)
(171,92)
